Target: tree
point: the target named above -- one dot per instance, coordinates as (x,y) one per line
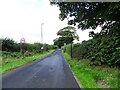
(90,15)
(67,32)
(8,44)
(59,42)
(66,36)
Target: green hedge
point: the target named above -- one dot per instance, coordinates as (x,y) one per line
(10,45)
(101,50)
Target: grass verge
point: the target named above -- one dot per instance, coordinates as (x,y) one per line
(8,63)
(93,76)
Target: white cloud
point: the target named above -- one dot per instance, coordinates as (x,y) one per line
(23,18)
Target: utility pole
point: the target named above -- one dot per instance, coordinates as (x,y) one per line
(71,50)
(42,35)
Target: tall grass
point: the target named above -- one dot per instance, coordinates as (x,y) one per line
(11,61)
(93,76)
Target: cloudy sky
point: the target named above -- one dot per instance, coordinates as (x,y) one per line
(23,18)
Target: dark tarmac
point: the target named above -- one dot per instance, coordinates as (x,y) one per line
(49,72)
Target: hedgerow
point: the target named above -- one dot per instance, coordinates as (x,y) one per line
(102,49)
(10,45)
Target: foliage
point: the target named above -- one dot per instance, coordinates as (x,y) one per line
(11,46)
(66,36)
(14,60)
(89,76)
(59,42)
(101,50)
(104,47)
(90,15)
(12,56)
(68,31)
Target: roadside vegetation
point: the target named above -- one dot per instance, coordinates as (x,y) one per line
(14,60)
(93,76)
(95,62)
(14,54)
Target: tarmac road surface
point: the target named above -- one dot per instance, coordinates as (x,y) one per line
(49,72)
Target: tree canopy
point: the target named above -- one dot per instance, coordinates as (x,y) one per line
(66,36)
(68,31)
(91,14)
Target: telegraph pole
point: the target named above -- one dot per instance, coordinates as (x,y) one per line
(42,35)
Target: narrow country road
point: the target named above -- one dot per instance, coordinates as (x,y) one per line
(49,72)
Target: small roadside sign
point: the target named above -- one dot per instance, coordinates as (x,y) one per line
(22,40)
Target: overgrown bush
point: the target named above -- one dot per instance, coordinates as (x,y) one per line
(103,49)
(8,45)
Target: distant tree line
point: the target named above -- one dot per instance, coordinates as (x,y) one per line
(10,45)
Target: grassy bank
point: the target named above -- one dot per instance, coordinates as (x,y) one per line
(93,76)
(13,60)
